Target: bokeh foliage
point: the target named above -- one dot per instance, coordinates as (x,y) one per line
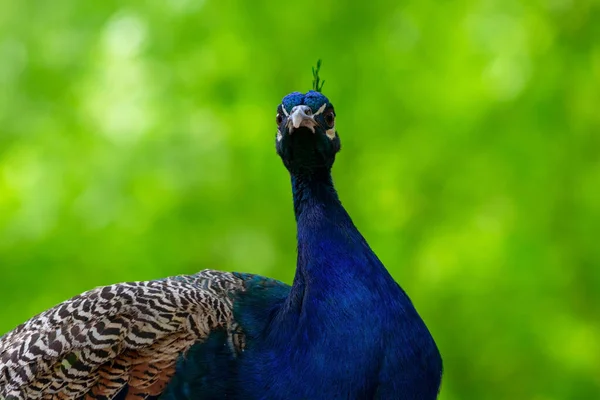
(137,141)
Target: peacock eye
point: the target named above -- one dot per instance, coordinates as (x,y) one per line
(278,119)
(330,119)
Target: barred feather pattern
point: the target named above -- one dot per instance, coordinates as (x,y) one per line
(132,333)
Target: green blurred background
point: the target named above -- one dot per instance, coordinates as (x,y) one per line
(137,141)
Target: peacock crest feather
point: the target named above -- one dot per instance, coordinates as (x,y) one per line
(317,83)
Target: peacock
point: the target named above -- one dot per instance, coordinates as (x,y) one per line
(344,329)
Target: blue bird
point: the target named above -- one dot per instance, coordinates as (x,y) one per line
(343,330)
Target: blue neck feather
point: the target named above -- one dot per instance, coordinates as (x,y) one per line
(345,329)
(331,251)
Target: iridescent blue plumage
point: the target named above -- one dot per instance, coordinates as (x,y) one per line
(312,99)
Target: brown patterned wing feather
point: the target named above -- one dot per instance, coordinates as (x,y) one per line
(131,334)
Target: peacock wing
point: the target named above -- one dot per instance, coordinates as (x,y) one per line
(127,334)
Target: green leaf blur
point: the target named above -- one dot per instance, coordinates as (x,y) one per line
(137,141)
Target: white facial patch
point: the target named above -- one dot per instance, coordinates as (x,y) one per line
(284,110)
(331,133)
(321,109)
(279,135)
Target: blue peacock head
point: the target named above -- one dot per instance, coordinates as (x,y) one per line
(306,136)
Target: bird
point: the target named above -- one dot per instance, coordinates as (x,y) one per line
(344,329)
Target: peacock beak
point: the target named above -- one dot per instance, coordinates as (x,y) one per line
(301,116)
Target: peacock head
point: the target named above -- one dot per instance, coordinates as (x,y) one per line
(306,137)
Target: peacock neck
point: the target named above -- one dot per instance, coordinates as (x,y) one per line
(328,242)
(316,201)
